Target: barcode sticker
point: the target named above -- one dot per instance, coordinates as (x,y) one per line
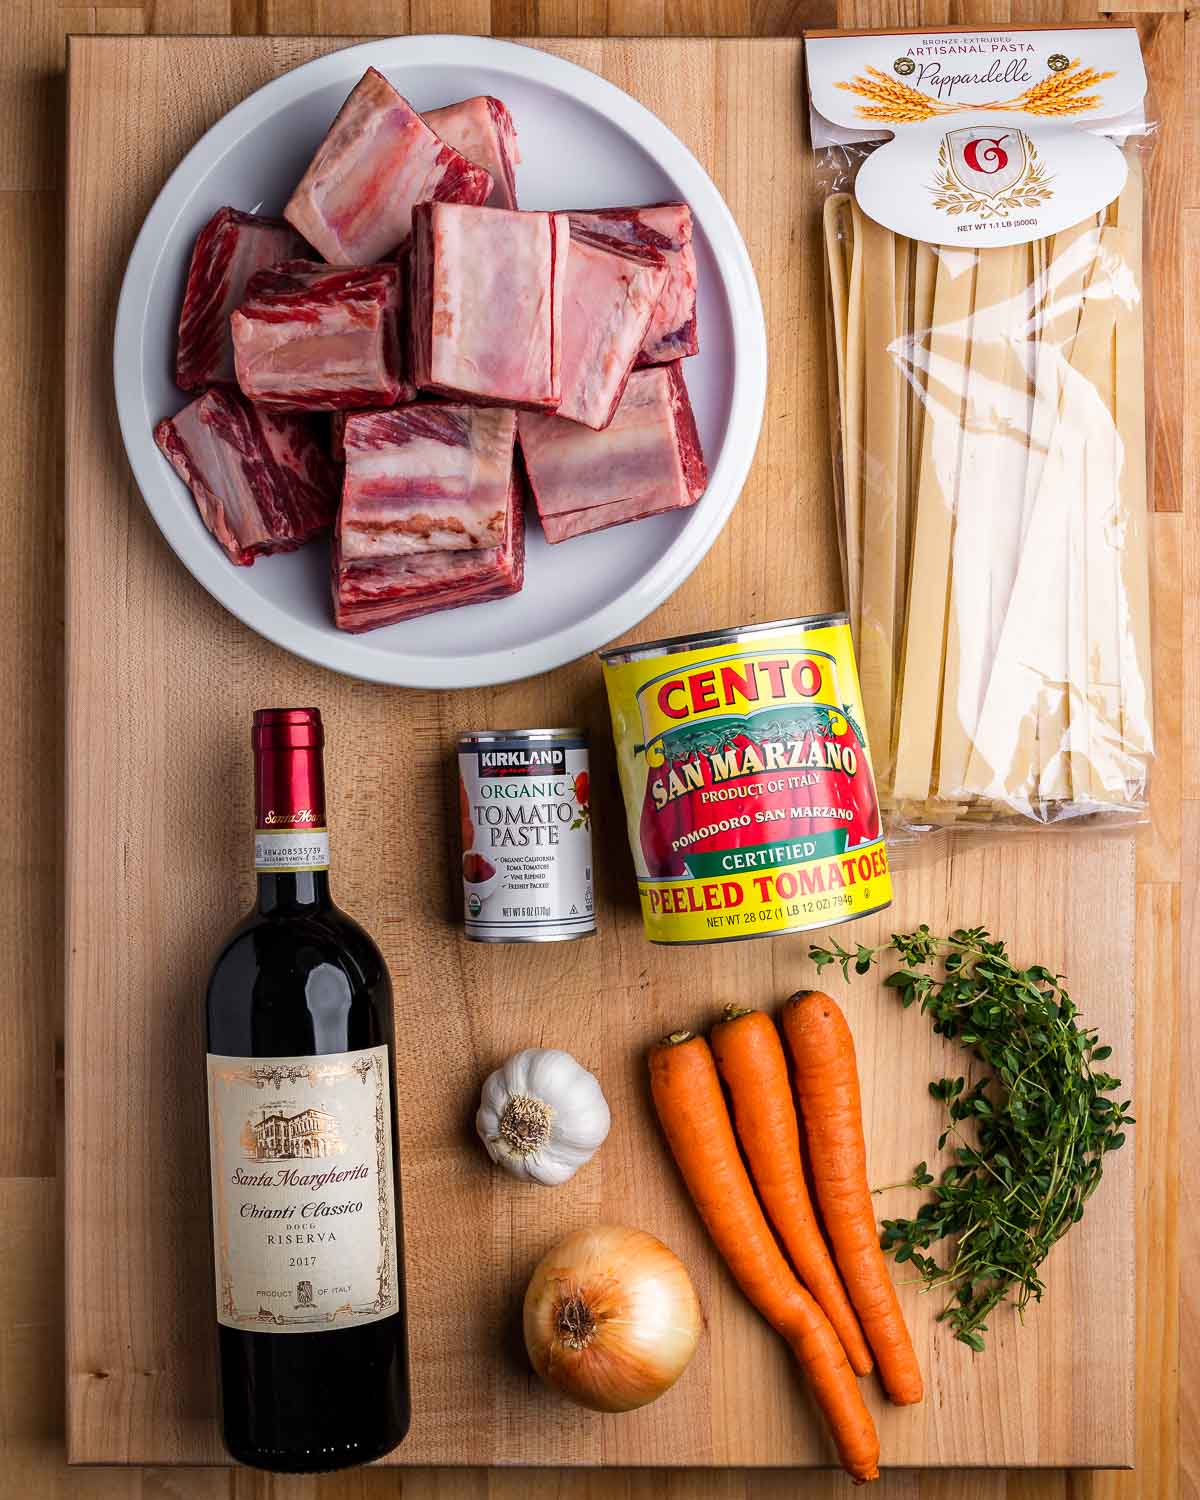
(291,849)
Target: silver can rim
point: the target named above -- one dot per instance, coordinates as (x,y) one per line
(525,937)
(490,736)
(619,655)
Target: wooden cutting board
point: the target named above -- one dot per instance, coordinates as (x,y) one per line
(161,686)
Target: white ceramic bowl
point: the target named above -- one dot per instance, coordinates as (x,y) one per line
(584,143)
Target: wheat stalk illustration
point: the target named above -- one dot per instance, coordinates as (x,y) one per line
(893,100)
(1062,93)
(1065,106)
(1058,93)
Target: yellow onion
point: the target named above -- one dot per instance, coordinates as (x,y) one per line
(611,1318)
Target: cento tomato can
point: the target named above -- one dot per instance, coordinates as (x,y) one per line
(747,779)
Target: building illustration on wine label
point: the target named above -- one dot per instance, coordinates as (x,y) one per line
(310,1133)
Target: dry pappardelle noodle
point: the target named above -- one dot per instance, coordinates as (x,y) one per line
(993,469)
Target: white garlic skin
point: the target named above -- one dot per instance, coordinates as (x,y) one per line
(542,1115)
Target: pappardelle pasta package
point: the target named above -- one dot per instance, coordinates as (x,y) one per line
(984,245)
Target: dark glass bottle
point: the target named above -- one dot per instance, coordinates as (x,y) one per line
(305,1160)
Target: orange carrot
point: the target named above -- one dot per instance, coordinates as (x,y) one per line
(691,1107)
(751,1061)
(826,1077)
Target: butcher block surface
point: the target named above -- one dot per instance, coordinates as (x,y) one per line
(159,865)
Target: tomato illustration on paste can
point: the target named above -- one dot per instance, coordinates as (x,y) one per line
(747,780)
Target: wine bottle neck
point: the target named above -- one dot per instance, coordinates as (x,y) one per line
(282,892)
(291,842)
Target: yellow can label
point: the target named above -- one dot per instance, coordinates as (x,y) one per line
(748,786)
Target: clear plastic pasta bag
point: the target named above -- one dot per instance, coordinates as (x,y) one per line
(992,472)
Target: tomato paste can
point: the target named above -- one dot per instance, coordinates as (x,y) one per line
(524,800)
(747,778)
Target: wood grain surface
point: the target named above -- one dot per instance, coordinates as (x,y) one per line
(169,680)
(1168,921)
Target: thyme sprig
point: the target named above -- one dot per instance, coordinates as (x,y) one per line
(1042,1121)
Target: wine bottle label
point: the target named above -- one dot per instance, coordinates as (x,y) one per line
(304,1208)
(283,850)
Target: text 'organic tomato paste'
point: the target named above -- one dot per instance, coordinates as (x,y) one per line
(747,779)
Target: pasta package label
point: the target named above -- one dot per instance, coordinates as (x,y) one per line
(998,137)
(747,779)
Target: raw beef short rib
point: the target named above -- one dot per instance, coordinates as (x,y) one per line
(230,248)
(261,480)
(612,289)
(375,591)
(337,436)
(322,338)
(667,228)
(482,130)
(379,159)
(426,478)
(486,304)
(646,461)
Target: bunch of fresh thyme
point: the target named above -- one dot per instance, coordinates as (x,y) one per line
(1042,1121)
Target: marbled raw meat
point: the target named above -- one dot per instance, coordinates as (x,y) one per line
(337,435)
(379,159)
(646,461)
(486,304)
(381,591)
(230,248)
(262,480)
(426,478)
(322,338)
(483,131)
(612,289)
(667,228)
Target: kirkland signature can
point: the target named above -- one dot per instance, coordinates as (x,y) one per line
(524,797)
(747,778)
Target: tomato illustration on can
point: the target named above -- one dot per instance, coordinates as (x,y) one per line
(747,780)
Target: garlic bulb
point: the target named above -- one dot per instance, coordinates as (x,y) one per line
(542,1115)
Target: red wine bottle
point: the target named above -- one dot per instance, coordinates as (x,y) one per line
(303,1150)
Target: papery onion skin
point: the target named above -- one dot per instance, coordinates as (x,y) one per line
(611,1318)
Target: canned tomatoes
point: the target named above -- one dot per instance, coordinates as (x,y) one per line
(747,779)
(525,803)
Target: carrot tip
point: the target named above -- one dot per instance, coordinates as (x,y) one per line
(736,1012)
(676,1038)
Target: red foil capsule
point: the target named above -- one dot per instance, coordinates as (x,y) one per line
(289,771)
